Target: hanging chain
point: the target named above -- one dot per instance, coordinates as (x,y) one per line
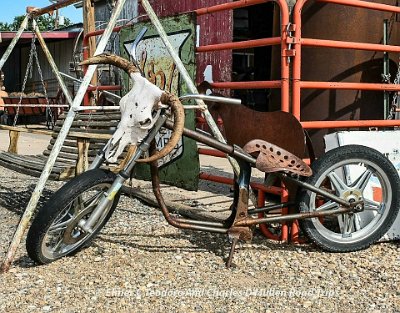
(395,100)
(386,78)
(89,120)
(28,69)
(49,111)
(48,108)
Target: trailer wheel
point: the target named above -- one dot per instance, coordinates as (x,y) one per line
(353,173)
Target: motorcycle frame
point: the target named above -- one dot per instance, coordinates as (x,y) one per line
(240,216)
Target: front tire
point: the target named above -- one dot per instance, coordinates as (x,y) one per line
(55,231)
(354,173)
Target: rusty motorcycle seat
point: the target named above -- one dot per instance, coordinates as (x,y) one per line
(271,158)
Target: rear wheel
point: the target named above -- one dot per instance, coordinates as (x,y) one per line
(353,173)
(55,231)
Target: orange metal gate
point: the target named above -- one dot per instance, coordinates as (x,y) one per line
(298,84)
(283,83)
(290,82)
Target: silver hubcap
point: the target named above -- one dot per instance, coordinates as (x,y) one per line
(353,180)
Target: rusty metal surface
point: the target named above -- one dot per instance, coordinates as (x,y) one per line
(214,28)
(179,223)
(241,214)
(210,141)
(290,217)
(272,158)
(320,20)
(242,124)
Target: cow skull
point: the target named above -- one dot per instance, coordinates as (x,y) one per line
(139,111)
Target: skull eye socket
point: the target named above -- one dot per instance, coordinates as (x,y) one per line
(154,113)
(145,123)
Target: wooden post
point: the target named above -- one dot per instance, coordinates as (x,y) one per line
(82,163)
(13,147)
(89,26)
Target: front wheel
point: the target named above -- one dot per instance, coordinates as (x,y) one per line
(55,231)
(354,173)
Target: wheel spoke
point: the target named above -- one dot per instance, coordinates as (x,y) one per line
(61,226)
(78,205)
(57,246)
(327,206)
(66,212)
(362,181)
(339,185)
(93,200)
(348,225)
(357,222)
(372,205)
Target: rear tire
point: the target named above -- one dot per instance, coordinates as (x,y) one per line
(353,173)
(55,232)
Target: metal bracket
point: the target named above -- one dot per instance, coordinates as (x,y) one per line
(290,40)
(289,53)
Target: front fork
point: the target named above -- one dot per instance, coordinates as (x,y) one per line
(123,175)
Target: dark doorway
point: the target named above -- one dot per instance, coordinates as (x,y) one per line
(253,64)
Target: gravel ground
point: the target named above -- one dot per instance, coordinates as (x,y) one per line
(141,264)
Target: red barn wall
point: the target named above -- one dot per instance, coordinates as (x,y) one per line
(214,28)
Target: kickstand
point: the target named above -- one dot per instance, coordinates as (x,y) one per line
(229,261)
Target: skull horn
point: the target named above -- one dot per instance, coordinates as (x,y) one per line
(112,59)
(166,98)
(179,123)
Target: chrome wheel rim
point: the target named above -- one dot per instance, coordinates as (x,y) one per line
(353,180)
(64,235)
